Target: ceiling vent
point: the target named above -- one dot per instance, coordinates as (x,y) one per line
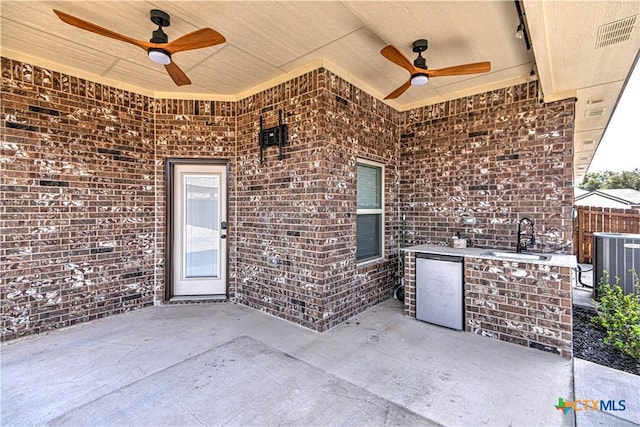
(587,142)
(615,32)
(594,112)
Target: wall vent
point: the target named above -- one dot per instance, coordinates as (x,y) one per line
(587,142)
(615,32)
(594,112)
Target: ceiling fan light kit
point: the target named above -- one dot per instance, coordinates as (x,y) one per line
(159,56)
(419,79)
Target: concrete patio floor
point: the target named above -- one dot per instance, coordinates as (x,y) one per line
(226,364)
(593,380)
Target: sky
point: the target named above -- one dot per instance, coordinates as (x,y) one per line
(619,148)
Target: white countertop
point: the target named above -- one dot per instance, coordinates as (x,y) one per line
(560,260)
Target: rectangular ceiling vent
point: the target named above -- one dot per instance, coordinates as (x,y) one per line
(587,142)
(594,112)
(615,32)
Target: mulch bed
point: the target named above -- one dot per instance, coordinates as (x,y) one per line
(588,344)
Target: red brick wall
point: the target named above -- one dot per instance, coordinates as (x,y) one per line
(78,200)
(498,156)
(279,203)
(356,125)
(190,129)
(83,191)
(410,284)
(527,304)
(302,209)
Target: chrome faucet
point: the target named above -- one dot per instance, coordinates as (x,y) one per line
(527,232)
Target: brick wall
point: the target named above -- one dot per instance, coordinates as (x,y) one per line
(302,209)
(410,284)
(188,129)
(527,304)
(83,190)
(356,125)
(279,205)
(78,200)
(497,156)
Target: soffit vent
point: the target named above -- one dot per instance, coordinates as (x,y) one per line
(594,112)
(587,142)
(615,32)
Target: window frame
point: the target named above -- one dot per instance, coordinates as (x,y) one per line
(378,211)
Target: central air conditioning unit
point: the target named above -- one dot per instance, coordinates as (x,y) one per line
(616,254)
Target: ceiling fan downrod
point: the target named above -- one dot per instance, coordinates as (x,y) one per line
(420,46)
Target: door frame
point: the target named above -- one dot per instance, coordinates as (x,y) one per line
(170,163)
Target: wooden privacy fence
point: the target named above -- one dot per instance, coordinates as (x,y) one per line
(592,219)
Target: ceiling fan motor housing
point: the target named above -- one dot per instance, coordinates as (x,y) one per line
(420,62)
(159,36)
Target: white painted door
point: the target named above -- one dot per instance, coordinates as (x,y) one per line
(199,230)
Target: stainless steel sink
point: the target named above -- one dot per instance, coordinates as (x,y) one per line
(518,256)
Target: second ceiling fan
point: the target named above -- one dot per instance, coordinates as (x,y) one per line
(159,48)
(419,73)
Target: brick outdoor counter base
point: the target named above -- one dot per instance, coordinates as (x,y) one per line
(527,304)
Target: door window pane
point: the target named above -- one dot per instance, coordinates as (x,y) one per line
(201,232)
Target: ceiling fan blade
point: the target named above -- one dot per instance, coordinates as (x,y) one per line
(457,70)
(177,75)
(86,25)
(395,56)
(204,37)
(402,89)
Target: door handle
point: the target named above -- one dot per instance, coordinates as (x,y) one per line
(224,236)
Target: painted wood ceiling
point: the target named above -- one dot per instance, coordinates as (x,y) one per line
(271,41)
